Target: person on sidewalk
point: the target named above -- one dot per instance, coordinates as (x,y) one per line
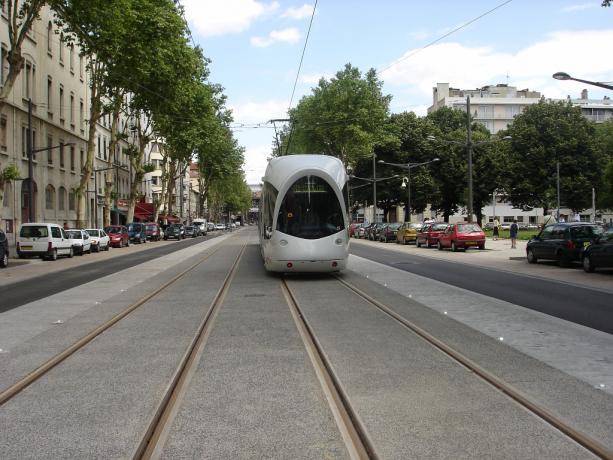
(496,229)
(513,233)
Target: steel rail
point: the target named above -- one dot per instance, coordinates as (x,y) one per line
(37,373)
(353,431)
(523,400)
(152,443)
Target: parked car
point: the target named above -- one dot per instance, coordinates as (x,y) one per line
(599,254)
(201,225)
(47,241)
(407,232)
(118,235)
(429,234)
(4,250)
(563,242)
(137,232)
(220,227)
(99,239)
(191,232)
(461,236)
(388,232)
(153,231)
(373,231)
(210,226)
(354,228)
(80,241)
(174,231)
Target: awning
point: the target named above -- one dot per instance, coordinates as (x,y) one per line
(142,217)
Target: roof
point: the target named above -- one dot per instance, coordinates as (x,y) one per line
(282,169)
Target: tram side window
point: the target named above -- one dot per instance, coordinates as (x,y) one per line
(269,198)
(310,209)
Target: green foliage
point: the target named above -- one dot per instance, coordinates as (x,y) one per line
(605,198)
(544,134)
(9,173)
(343,117)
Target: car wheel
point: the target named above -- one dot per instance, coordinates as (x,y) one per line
(4,261)
(454,248)
(128,243)
(531,257)
(439,246)
(482,246)
(588,266)
(428,245)
(53,255)
(71,253)
(80,252)
(417,243)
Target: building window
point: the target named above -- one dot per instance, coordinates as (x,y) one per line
(520,219)
(4,64)
(50,95)
(49,37)
(62,49)
(104,147)
(82,155)
(99,146)
(50,150)
(72,110)
(72,158)
(532,219)
(7,194)
(71,200)
(61,153)
(61,199)
(81,66)
(49,197)
(29,81)
(81,115)
(62,103)
(72,59)
(508,219)
(3,134)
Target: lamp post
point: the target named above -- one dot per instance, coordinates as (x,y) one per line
(374,181)
(565,76)
(469,144)
(406,181)
(374,187)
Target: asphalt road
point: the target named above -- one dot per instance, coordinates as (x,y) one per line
(22,292)
(585,306)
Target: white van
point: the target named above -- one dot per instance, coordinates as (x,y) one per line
(201,224)
(47,241)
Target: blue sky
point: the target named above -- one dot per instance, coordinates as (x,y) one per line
(255,48)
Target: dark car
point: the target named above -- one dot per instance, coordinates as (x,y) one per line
(4,250)
(174,231)
(152,230)
(599,254)
(373,231)
(118,235)
(137,232)
(563,242)
(429,234)
(191,232)
(388,232)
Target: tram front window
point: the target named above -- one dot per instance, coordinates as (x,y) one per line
(310,210)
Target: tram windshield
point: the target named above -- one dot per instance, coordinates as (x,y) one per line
(310,210)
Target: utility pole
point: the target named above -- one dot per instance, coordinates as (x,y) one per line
(558,187)
(593,204)
(374,187)
(181,199)
(469,148)
(30,165)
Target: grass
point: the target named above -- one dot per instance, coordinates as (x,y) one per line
(521,235)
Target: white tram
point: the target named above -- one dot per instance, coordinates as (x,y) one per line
(303,217)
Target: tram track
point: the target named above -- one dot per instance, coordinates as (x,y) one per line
(13,390)
(526,402)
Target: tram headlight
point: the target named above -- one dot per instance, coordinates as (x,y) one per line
(283,243)
(338,241)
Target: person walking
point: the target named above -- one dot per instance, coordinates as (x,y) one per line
(496,229)
(513,233)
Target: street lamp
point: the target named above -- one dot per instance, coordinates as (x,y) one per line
(469,144)
(565,76)
(406,181)
(374,181)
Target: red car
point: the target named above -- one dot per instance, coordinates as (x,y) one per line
(118,234)
(429,233)
(353,228)
(462,236)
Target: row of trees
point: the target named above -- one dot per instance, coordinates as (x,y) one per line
(140,64)
(348,117)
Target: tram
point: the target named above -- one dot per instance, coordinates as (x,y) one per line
(303,218)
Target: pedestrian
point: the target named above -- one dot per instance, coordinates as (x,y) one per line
(66,226)
(513,233)
(496,225)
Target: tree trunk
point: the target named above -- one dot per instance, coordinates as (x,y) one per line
(110,174)
(136,160)
(94,115)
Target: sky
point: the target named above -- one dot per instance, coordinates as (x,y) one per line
(255,49)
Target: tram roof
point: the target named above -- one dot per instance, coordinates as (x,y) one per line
(280,169)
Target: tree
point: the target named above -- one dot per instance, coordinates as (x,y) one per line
(20,15)
(545,134)
(343,117)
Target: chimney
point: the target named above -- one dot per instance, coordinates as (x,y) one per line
(584,94)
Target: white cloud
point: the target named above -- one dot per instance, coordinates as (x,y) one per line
(259,112)
(305,11)
(256,160)
(215,17)
(290,35)
(579,7)
(581,54)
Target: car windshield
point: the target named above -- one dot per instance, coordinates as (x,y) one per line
(74,235)
(150,227)
(586,231)
(394,226)
(468,228)
(415,226)
(34,231)
(134,227)
(113,229)
(439,227)
(93,232)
